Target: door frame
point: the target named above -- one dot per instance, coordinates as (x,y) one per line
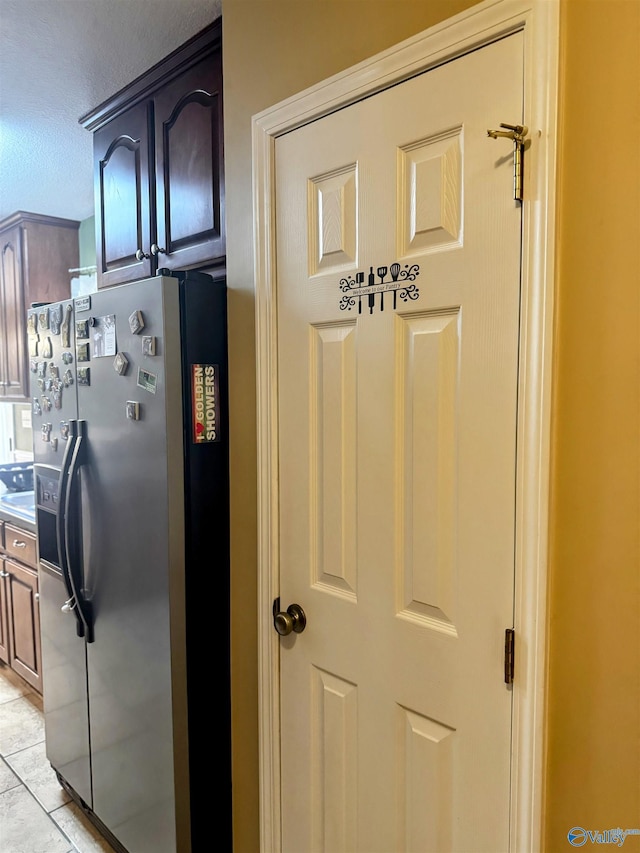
(473,28)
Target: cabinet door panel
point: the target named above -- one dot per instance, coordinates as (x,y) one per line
(188,142)
(24,637)
(123,203)
(189,167)
(13,352)
(4,619)
(20,544)
(36,254)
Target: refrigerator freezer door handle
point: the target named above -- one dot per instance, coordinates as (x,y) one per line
(72,520)
(61,523)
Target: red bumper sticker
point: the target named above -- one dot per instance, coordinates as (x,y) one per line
(205,394)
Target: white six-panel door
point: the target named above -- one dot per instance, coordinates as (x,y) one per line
(398,298)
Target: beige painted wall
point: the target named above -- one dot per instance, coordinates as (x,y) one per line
(593,763)
(275,48)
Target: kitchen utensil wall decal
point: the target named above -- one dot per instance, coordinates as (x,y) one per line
(392,279)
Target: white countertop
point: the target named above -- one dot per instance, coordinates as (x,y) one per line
(18,518)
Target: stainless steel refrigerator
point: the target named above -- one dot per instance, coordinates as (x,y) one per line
(129,396)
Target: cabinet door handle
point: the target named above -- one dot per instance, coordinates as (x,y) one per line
(4,574)
(156,250)
(36,595)
(140,255)
(18,543)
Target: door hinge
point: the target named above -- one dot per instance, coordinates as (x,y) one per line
(517,133)
(509,654)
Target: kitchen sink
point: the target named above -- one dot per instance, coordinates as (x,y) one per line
(20,503)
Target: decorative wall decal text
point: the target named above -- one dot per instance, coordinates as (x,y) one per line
(384,281)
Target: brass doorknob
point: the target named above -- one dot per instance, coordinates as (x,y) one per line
(293,619)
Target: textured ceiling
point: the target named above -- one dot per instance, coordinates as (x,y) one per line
(58,60)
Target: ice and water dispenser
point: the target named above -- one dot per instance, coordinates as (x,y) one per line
(47,508)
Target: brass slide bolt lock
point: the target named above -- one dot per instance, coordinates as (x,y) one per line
(517,133)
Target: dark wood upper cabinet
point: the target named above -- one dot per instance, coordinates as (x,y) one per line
(122,193)
(36,254)
(13,365)
(159,167)
(188,155)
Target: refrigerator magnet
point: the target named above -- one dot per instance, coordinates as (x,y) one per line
(82,303)
(120,364)
(205,400)
(136,322)
(55,319)
(103,336)
(133,410)
(65,326)
(148,345)
(147,380)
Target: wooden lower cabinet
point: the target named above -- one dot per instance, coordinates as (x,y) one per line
(19,605)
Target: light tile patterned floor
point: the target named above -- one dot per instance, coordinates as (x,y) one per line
(36,814)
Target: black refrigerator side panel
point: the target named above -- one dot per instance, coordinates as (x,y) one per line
(206,443)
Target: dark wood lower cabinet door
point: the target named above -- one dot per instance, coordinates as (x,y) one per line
(24,623)
(4,620)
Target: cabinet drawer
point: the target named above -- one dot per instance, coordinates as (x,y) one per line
(20,544)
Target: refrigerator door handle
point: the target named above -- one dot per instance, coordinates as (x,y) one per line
(72,520)
(61,527)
